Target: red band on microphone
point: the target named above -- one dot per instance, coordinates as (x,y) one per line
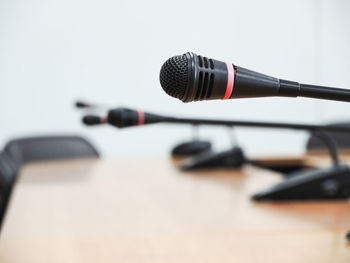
(141,118)
(230,81)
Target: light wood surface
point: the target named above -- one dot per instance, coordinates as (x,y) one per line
(146,210)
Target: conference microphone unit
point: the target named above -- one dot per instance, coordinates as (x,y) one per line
(124,117)
(318,184)
(190,77)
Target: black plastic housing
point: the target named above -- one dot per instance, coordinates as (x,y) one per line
(204,74)
(191,148)
(124,117)
(233,158)
(208,81)
(249,84)
(91,120)
(326,183)
(80,104)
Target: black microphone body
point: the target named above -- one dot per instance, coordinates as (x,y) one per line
(124,117)
(190,77)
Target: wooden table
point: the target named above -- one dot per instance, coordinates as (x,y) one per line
(146,210)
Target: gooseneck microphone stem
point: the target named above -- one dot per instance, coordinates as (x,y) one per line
(325,93)
(278,125)
(294,89)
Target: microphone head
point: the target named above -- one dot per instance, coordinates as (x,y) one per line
(174,76)
(189,77)
(91,120)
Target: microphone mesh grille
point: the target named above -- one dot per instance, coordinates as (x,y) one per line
(174,76)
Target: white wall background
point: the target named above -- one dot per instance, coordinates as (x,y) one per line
(53,52)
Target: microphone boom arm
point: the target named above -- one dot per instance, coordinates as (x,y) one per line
(257,124)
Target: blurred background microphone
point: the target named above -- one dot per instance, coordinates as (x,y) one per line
(82,105)
(125,117)
(88,106)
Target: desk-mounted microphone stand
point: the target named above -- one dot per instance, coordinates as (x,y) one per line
(192,147)
(318,184)
(232,158)
(235,158)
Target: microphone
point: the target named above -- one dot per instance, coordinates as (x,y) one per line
(80,104)
(314,185)
(124,117)
(190,77)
